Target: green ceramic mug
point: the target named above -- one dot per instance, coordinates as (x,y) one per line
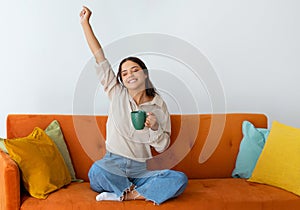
(138,119)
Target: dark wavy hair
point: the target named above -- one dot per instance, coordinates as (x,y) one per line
(150,89)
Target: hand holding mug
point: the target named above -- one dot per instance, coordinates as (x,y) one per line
(140,119)
(151,121)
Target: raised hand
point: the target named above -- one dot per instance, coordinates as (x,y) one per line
(93,42)
(85,14)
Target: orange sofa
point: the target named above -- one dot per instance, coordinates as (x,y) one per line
(204,146)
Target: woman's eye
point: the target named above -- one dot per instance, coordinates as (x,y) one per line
(124,75)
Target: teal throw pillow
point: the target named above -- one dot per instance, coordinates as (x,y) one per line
(250,148)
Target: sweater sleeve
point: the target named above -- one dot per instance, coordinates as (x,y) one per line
(107,78)
(160,139)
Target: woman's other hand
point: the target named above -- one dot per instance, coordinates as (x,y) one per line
(151,121)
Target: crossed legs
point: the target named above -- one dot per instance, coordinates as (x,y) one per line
(156,186)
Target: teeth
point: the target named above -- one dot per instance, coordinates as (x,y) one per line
(132,81)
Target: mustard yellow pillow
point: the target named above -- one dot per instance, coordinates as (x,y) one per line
(279,162)
(42,166)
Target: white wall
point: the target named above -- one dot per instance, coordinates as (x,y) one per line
(253,46)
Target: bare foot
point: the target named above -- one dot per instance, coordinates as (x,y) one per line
(133,195)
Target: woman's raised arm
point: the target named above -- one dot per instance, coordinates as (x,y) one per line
(93,42)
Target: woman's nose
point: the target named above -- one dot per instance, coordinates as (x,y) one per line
(130,73)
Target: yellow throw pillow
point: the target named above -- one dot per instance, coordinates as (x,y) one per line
(279,162)
(42,166)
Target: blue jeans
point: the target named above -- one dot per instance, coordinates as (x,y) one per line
(116,174)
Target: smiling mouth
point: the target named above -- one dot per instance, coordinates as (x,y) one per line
(131,81)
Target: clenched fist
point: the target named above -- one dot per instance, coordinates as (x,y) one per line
(85,15)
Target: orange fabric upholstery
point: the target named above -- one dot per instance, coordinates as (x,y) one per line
(204,194)
(191,132)
(84,139)
(204,146)
(9,183)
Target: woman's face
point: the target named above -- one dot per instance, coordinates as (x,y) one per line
(133,76)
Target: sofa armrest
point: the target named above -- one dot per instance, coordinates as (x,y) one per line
(9,183)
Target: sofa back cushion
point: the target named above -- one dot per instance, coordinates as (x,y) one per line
(205,145)
(202,145)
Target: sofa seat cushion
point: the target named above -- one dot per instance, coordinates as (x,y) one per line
(204,194)
(237,194)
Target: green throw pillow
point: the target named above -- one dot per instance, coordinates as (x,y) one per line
(2,146)
(55,133)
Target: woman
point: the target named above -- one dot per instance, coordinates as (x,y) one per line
(122,173)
